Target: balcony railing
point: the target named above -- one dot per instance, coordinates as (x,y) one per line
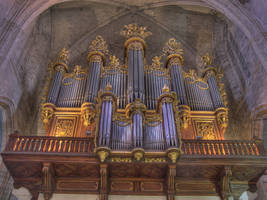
(222,148)
(43,144)
(85,146)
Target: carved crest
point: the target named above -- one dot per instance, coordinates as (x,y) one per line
(99,44)
(133,30)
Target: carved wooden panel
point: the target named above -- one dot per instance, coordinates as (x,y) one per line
(152,187)
(76,185)
(122,186)
(77,170)
(195,187)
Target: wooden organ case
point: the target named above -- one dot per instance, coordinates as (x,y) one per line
(134,128)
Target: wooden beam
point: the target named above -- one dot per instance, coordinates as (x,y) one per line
(103,190)
(171,182)
(48,180)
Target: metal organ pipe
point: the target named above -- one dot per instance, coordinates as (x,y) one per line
(214,90)
(105,120)
(95,64)
(177,80)
(53,93)
(135,53)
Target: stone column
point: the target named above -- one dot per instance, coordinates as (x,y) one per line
(262,187)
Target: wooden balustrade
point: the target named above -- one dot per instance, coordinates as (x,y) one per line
(43,144)
(191,148)
(222,148)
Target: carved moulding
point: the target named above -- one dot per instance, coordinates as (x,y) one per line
(205,130)
(48,109)
(88,113)
(222,117)
(183,114)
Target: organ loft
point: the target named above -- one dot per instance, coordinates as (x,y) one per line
(133,128)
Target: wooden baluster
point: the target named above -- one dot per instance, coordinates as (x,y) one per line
(41,145)
(248,151)
(218,149)
(25,144)
(256,149)
(70,144)
(21,144)
(236,149)
(37,143)
(15,148)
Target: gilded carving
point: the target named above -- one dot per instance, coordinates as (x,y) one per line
(192,78)
(64,128)
(174,154)
(138,154)
(155,160)
(183,114)
(88,113)
(172,47)
(133,30)
(207,59)
(121,160)
(205,130)
(99,44)
(47,114)
(222,117)
(136,106)
(102,153)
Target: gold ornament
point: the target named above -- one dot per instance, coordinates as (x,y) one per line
(133,30)
(88,111)
(184,116)
(138,153)
(172,47)
(103,153)
(207,59)
(99,44)
(165,89)
(48,110)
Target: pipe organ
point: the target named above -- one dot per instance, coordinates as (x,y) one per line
(135,107)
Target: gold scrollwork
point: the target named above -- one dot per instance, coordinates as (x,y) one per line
(133,30)
(205,130)
(64,128)
(99,44)
(174,154)
(88,113)
(48,110)
(207,59)
(138,154)
(183,114)
(222,117)
(103,153)
(136,106)
(75,75)
(192,78)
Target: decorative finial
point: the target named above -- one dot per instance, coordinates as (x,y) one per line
(114,61)
(77,69)
(156,63)
(133,30)
(99,44)
(207,59)
(165,89)
(172,47)
(108,87)
(63,55)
